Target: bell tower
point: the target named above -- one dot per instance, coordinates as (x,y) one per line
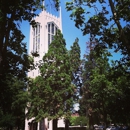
(41,37)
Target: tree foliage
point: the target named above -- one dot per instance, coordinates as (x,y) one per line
(51,95)
(104,88)
(13,101)
(14,60)
(119,105)
(75,62)
(13,80)
(95,86)
(12,13)
(80,120)
(108,24)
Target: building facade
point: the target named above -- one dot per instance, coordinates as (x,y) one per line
(40,37)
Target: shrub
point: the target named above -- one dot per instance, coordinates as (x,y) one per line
(81,120)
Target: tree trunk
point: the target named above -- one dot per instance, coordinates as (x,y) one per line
(90,122)
(54,124)
(42,125)
(66,124)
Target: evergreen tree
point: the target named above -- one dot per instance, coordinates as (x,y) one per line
(96,85)
(53,91)
(74,55)
(76,67)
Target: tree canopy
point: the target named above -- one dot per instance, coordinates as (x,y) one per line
(107,21)
(75,62)
(51,94)
(14,60)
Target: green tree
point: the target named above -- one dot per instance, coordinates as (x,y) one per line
(101,89)
(74,55)
(108,24)
(14,71)
(75,64)
(53,91)
(118,108)
(12,13)
(80,120)
(96,85)
(105,87)
(14,61)
(13,102)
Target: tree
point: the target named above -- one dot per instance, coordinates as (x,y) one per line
(96,85)
(86,104)
(119,75)
(14,61)
(100,88)
(13,80)
(11,14)
(74,55)
(53,91)
(76,64)
(104,89)
(108,24)
(12,105)
(80,120)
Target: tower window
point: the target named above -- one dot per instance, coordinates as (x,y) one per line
(33,43)
(48,39)
(52,37)
(52,28)
(56,30)
(39,29)
(33,31)
(48,28)
(36,38)
(36,29)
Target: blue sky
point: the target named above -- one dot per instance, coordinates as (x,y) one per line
(70,32)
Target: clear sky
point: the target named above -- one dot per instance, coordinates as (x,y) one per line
(70,32)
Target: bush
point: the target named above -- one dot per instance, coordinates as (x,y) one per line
(81,120)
